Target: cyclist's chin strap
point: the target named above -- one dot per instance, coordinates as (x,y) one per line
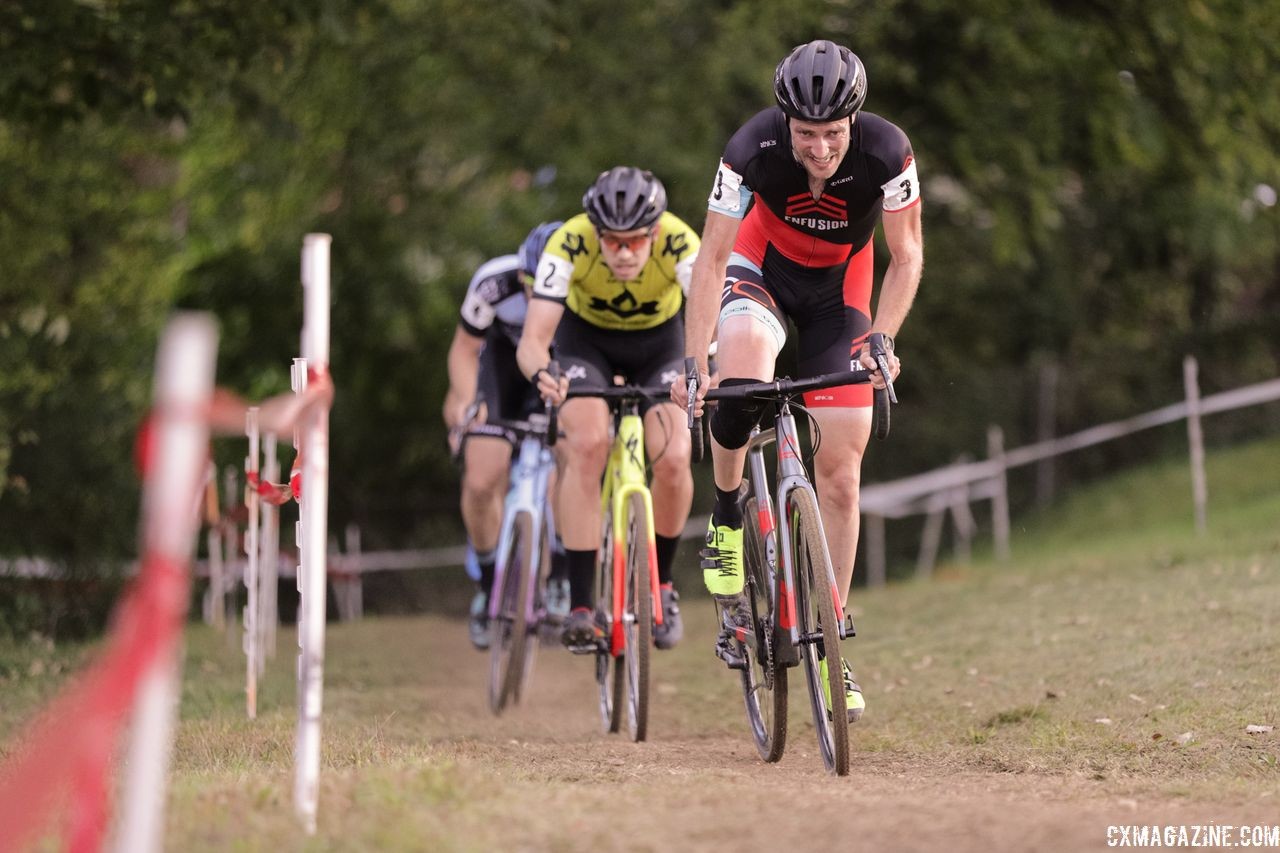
(733,420)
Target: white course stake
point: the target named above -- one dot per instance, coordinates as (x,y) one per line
(313,529)
(269,567)
(183,387)
(252,503)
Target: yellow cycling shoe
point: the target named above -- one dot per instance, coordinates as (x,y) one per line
(722,561)
(853,702)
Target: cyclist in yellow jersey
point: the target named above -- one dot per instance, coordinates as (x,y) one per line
(609,290)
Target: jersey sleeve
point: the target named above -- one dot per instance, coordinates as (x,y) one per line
(477,312)
(732,192)
(891,150)
(555,267)
(678,246)
(902,190)
(729,195)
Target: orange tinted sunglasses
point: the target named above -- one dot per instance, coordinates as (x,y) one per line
(614,243)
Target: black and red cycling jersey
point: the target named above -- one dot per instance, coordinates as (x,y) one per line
(759,173)
(804,258)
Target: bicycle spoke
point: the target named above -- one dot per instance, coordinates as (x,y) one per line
(764,683)
(818,624)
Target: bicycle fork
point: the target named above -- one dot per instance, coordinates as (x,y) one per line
(529,476)
(776,526)
(625,480)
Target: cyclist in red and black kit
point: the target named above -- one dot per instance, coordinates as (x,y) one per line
(790,221)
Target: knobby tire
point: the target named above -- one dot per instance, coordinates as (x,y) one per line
(764,682)
(638,617)
(610,671)
(508,634)
(815,610)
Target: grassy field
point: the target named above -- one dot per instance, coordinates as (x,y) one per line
(1105,675)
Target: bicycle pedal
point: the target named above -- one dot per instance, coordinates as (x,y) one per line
(596,647)
(726,653)
(849,630)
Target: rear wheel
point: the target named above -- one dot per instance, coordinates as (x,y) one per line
(610,675)
(638,616)
(508,631)
(819,630)
(764,683)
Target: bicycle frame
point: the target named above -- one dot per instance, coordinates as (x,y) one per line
(775,524)
(624,477)
(530,474)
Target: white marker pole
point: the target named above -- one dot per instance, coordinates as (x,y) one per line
(269,568)
(183,388)
(313,513)
(252,503)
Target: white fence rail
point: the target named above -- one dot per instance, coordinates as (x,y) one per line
(950,489)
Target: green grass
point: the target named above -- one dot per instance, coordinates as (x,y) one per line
(1116,655)
(1112,608)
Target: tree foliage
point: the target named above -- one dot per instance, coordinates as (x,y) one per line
(1098,192)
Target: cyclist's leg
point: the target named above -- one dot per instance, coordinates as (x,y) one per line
(656,357)
(837,474)
(582,454)
(831,327)
(486,462)
(751,332)
(486,467)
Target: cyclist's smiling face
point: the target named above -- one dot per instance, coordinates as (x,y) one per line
(626,252)
(820,146)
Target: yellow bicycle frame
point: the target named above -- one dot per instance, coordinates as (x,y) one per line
(624,476)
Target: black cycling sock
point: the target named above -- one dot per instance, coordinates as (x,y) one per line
(582,576)
(486,562)
(727,511)
(559,566)
(666,548)
(559,562)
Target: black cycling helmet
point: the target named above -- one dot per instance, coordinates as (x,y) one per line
(624,198)
(820,81)
(531,248)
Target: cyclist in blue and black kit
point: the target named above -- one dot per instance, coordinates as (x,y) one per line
(485,382)
(791,217)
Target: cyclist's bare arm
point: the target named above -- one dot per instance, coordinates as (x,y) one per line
(534,352)
(904,237)
(704,293)
(464,367)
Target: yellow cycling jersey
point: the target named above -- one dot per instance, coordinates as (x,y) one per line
(572,271)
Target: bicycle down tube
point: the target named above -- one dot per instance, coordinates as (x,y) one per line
(626,470)
(530,474)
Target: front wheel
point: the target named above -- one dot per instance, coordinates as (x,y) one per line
(819,630)
(610,671)
(637,616)
(508,631)
(764,682)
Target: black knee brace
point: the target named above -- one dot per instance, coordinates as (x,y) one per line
(733,420)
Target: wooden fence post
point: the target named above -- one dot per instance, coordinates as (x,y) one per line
(931,538)
(873,525)
(962,516)
(1195,436)
(1000,499)
(356,592)
(1046,427)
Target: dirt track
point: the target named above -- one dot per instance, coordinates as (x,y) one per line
(698,783)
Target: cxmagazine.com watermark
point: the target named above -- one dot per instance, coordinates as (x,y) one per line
(1193,835)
